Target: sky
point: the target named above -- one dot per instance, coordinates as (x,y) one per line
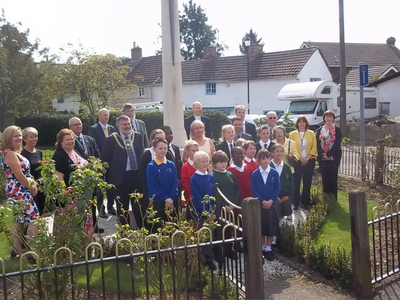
(111,26)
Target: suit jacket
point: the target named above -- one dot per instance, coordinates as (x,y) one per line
(116,157)
(251,129)
(244,135)
(97,132)
(91,145)
(223,146)
(176,159)
(258,147)
(204,119)
(141,127)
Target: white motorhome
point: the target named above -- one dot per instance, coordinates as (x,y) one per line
(312,99)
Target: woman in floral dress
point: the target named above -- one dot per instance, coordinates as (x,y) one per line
(21,187)
(329,140)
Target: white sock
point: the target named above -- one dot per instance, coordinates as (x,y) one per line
(268,248)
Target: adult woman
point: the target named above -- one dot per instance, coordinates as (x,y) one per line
(288,145)
(304,169)
(20,186)
(35,156)
(329,140)
(197,133)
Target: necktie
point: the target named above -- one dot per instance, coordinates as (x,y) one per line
(231,148)
(130,152)
(266,146)
(105,131)
(81,144)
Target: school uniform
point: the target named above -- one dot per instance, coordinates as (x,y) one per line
(261,145)
(287,188)
(162,183)
(251,164)
(265,186)
(227,148)
(243,177)
(202,184)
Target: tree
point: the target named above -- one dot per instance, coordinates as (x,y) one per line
(253,36)
(196,34)
(22,88)
(99,80)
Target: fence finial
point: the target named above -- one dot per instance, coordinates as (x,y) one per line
(123,240)
(93,244)
(63,249)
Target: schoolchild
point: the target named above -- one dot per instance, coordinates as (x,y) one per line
(249,148)
(241,172)
(265,142)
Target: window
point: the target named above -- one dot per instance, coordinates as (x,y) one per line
(303,107)
(141,91)
(338,101)
(370,103)
(323,107)
(326,90)
(312,79)
(211,88)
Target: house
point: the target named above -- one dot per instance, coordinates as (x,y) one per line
(383,59)
(389,94)
(221,82)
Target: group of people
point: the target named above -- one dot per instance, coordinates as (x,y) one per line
(247,162)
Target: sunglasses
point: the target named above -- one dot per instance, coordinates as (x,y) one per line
(271,118)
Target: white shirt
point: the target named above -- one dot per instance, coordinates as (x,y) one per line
(201,173)
(153,154)
(279,167)
(197,117)
(244,126)
(190,161)
(262,144)
(303,144)
(264,173)
(249,159)
(241,169)
(172,150)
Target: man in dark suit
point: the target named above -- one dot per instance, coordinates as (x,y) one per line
(122,151)
(239,134)
(196,108)
(86,146)
(249,128)
(99,132)
(137,125)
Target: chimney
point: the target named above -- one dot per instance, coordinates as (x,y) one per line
(391,41)
(136,53)
(209,52)
(254,51)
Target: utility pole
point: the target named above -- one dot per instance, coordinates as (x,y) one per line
(343,110)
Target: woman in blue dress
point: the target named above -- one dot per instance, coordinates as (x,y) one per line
(20,186)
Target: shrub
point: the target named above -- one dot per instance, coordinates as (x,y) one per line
(300,242)
(3,182)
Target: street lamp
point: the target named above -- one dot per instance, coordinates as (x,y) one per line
(247,43)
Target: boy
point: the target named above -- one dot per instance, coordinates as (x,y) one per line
(284,205)
(173,152)
(187,171)
(242,174)
(240,142)
(162,181)
(249,148)
(202,187)
(266,187)
(264,143)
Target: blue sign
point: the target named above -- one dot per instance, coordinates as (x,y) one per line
(364,80)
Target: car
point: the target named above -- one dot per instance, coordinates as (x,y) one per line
(249,118)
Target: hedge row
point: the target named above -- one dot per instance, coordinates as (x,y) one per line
(48,125)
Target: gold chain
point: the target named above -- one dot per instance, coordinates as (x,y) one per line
(118,138)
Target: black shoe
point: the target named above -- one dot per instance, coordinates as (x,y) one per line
(269,255)
(112,211)
(295,207)
(103,214)
(98,230)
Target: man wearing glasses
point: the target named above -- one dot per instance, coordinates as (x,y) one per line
(271,120)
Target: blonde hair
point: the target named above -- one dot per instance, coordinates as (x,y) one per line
(194,123)
(190,143)
(7,136)
(240,142)
(198,156)
(224,129)
(28,130)
(154,133)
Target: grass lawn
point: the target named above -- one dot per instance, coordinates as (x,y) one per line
(336,229)
(47,151)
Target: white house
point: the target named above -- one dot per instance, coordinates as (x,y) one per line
(221,82)
(389,94)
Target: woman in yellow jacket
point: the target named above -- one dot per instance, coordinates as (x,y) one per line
(307,148)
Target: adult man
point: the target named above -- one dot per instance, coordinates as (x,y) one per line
(86,146)
(196,108)
(249,128)
(238,125)
(271,120)
(137,125)
(122,151)
(99,132)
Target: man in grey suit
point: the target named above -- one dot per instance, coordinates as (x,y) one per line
(239,134)
(137,125)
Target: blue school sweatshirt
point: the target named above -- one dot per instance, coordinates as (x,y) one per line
(200,186)
(265,191)
(162,180)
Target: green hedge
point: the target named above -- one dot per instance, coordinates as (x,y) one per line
(48,125)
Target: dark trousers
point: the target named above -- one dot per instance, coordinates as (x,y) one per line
(305,172)
(329,174)
(129,185)
(40,201)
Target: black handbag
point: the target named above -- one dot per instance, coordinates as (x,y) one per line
(291,160)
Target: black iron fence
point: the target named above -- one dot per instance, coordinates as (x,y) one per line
(379,164)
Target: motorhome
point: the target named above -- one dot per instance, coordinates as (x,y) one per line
(312,99)
(148,106)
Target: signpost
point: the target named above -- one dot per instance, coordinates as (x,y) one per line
(364,80)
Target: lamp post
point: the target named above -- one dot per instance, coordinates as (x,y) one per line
(247,43)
